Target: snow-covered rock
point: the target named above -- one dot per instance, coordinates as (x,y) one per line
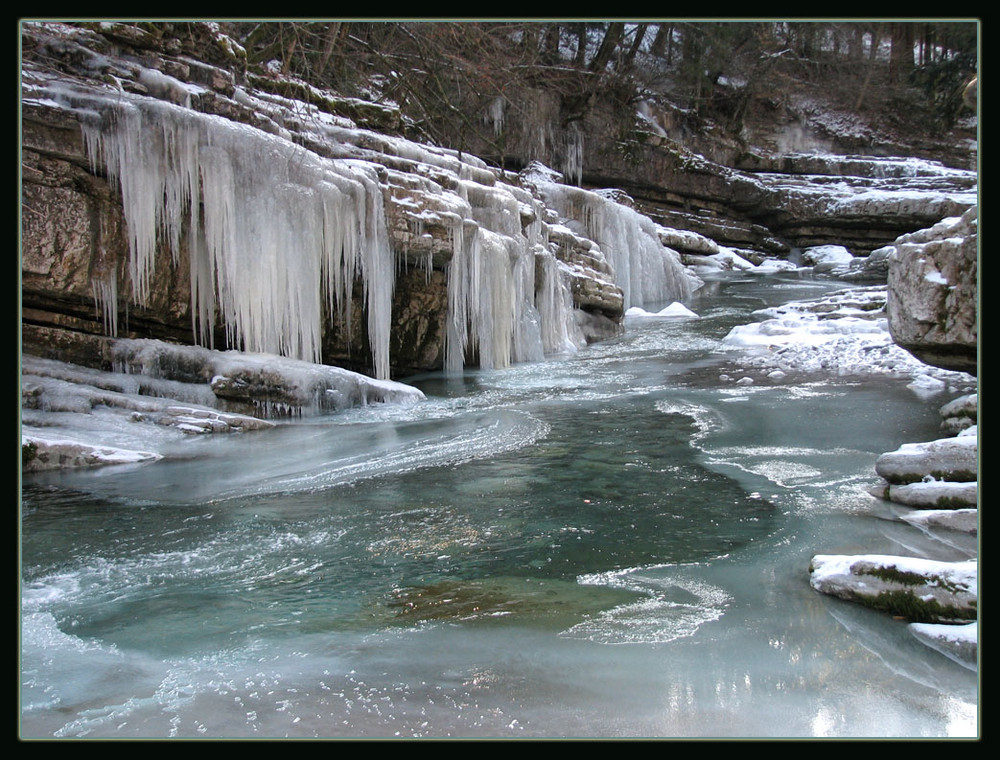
(960,415)
(950,459)
(674,310)
(827,259)
(936,494)
(919,590)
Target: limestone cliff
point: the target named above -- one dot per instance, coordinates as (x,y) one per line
(172,190)
(168,197)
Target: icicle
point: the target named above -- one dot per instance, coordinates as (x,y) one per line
(647,272)
(572,163)
(496,115)
(106,300)
(281,227)
(559,332)
(527,344)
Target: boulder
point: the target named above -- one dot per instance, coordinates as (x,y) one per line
(936,494)
(960,414)
(951,459)
(918,590)
(933,289)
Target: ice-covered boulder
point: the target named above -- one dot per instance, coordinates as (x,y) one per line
(154,393)
(40,451)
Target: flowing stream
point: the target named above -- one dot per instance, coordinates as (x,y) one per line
(610,543)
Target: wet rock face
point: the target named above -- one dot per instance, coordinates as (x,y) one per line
(932,300)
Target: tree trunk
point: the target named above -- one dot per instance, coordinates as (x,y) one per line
(626,63)
(901,57)
(612,36)
(581,45)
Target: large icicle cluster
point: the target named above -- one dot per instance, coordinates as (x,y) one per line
(275,232)
(492,280)
(278,234)
(648,272)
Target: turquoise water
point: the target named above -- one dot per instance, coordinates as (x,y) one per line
(613,543)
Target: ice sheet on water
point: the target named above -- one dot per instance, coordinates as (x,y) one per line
(845,333)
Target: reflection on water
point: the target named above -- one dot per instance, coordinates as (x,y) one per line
(608,544)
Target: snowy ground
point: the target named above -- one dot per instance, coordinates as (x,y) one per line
(845,333)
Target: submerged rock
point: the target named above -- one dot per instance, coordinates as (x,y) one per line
(957,642)
(960,520)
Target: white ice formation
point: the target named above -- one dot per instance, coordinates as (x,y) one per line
(279,233)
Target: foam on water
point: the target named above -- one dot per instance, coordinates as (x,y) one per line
(676,606)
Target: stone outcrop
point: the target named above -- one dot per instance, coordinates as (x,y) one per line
(933,293)
(85,222)
(689,176)
(861,203)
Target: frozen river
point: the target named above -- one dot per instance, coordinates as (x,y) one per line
(613,543)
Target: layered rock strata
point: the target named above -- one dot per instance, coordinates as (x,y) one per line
(284,225)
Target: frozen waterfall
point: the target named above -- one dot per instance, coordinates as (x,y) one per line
(648,272)
(268,220)
(278,235)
